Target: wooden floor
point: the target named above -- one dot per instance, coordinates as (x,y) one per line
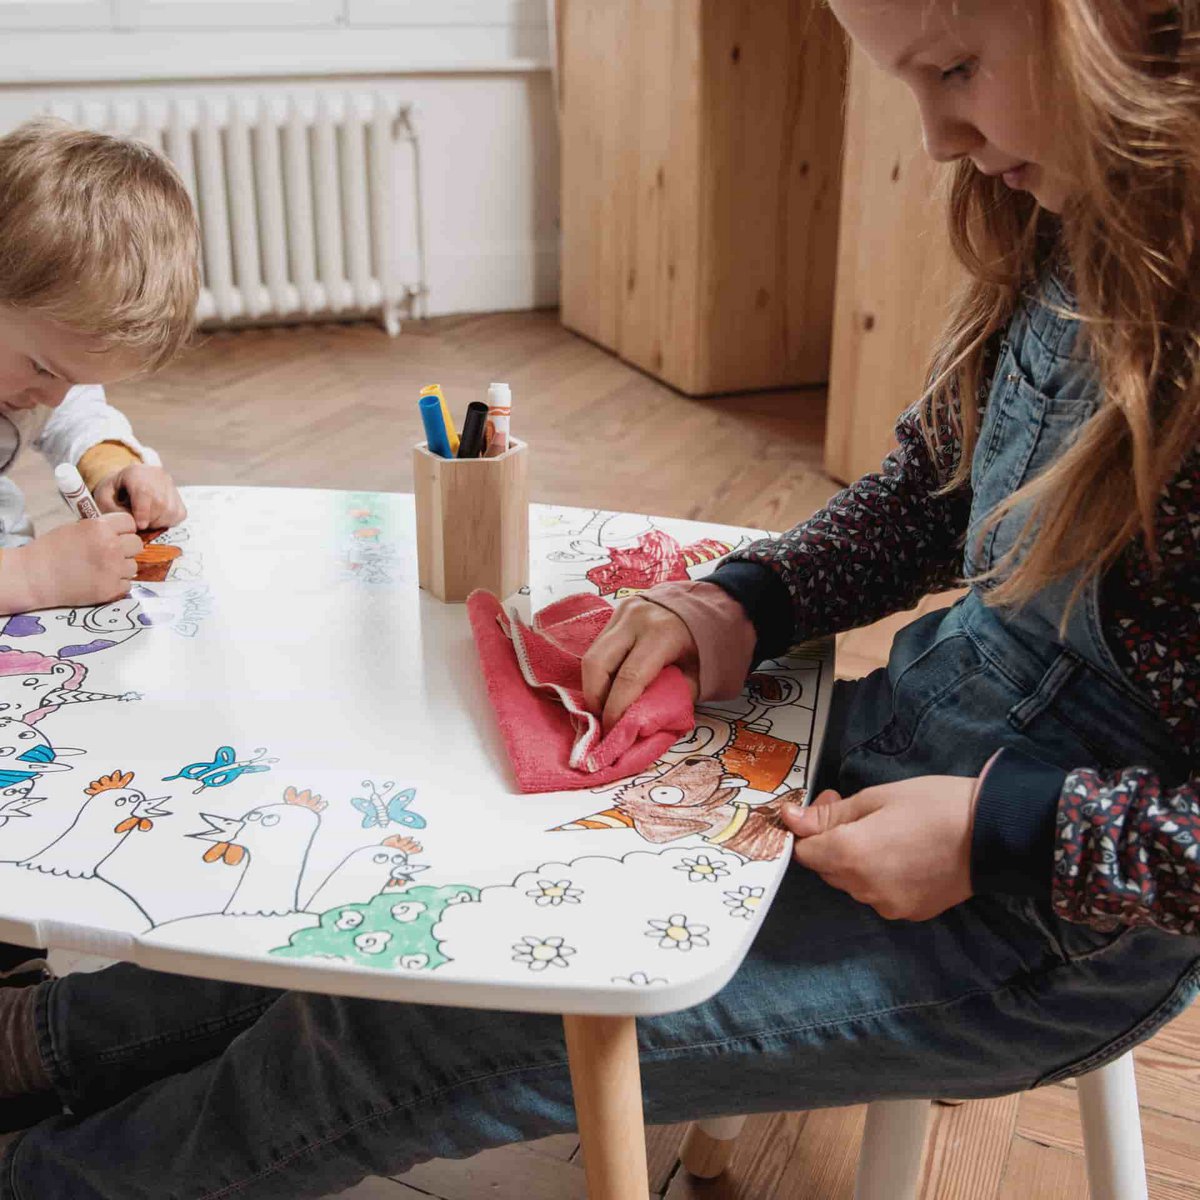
(335,407)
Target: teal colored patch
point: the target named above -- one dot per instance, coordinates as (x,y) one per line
(393,932)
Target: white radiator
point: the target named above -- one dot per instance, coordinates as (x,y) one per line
(298,198)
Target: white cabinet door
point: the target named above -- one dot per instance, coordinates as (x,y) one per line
(56,14)
(446,12)
(225,14)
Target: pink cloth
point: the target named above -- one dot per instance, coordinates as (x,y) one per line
(535,683)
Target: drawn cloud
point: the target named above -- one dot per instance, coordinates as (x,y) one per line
(561,917)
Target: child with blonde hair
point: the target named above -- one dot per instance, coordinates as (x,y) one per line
(98,281)
(998,885)
(99,277)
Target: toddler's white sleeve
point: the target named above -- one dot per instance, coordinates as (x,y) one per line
(85,419)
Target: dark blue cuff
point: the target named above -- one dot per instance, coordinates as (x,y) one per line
(1012,848)
(765,598)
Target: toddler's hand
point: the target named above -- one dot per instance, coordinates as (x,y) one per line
(87,562)
(628,656)
(149,493)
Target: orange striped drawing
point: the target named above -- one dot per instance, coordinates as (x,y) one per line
(610,818)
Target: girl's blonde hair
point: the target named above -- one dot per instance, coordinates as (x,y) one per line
(1129,242)
(98,233)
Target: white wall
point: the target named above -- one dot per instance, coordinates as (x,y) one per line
(476,72)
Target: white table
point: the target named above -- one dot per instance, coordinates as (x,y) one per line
(319,798)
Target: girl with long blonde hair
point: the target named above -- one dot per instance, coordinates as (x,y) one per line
(998,884)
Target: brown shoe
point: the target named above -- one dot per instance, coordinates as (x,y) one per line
(27,974)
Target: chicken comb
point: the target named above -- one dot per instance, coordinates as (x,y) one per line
(305,799)
(108,783)
(399,842)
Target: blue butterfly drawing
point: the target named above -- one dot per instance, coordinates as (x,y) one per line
(379,811)
(223,769)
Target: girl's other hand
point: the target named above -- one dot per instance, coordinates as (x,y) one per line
(904,848)
(641,639)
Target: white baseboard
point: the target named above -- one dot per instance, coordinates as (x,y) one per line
(519,277)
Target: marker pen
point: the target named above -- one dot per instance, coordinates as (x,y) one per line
(75,493)
(471,445)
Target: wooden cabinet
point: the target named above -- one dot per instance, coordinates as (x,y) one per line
(701,155)
(895,276)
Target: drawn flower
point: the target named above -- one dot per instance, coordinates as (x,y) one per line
(702,869)
(539,953)
(554,892)
(676,934)
(744,902)
(637,979)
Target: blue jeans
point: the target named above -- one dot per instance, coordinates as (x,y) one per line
(183,1089)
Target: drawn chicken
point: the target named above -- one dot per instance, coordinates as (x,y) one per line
(112,812)
(364,873)
(274,840)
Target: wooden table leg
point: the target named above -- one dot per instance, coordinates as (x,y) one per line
(607,1080)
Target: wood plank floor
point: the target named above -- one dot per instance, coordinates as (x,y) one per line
(335,407)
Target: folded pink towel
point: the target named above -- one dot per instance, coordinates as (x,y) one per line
(535,682)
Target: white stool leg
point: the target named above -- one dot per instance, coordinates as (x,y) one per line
(708,1146)
(889,1163)
(1112,1132)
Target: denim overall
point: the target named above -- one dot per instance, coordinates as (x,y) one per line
(210,1091)
(961,683)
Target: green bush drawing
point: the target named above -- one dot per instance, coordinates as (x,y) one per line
(392,932)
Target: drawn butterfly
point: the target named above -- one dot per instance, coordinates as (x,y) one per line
(379,811)
(223,769)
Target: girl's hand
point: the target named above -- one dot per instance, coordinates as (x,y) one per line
(903,848)
(148,493)
(628,656)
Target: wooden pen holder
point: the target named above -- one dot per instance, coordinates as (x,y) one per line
(472,522)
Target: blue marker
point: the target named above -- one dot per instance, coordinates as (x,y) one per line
(436,437)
